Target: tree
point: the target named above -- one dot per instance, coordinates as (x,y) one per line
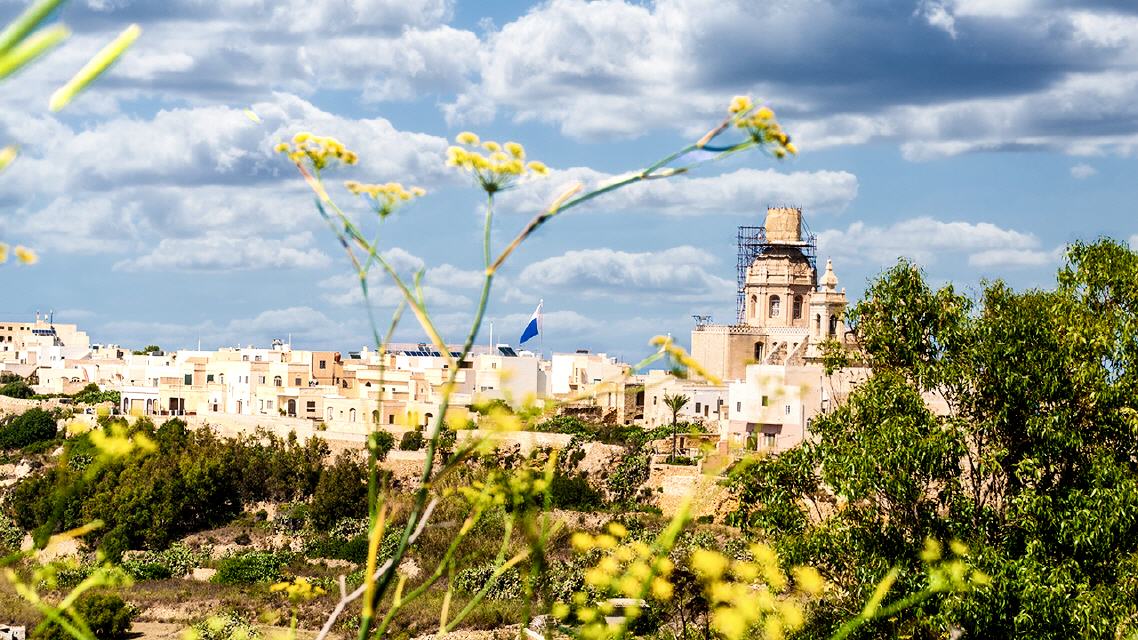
(1033,463)
(31,426)
(340,493)
(676,403)
(17,389)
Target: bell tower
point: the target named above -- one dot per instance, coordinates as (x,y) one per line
(781,276)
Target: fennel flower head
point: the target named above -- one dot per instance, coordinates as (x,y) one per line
(385,198)
(499,168)
(321,151)
(761,125)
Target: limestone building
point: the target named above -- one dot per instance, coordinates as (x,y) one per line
(785,312)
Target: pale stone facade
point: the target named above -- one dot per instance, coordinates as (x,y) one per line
(788,311)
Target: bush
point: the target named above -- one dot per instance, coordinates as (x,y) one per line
(227,626)
(351,549)
(106,615)
(471,580)
(174,562)
(573,492)
(340,493)
(31,426)
(412,441)
(11,535)
(381,443)
(91,394)
(17,389)
(251,568)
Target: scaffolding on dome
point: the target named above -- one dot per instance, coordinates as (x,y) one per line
(752,243)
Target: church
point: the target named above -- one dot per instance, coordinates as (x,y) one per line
(785,312)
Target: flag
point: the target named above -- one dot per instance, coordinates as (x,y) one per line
(534,327)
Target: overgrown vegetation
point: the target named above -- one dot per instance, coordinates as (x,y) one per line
(32,426)
(1032,464)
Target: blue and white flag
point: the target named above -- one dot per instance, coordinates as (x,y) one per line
(534,326)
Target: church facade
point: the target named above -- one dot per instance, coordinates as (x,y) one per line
(786,311)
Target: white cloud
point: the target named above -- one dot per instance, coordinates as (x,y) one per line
(927,240)
(742,191)
(1082,171)
(439,283)
(227,253)
(678,274)
(308,326)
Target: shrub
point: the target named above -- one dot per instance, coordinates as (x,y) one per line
(573,492)
(351,549)
(251,568)
(106,614)
(227,626)
(17,389)
(412,441)
(471,580)
(31,426)
(340,493)
(11,535)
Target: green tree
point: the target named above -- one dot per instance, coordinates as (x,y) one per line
(105,614)
(1032,459)
(17,389)
(31,426)
(675,403)
(341,492)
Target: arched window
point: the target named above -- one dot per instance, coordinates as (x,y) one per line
(774,306)
(754,306)
(833,325)
(427,419)
(351,415)
(758,352)
(797,312)
(818,323)
(277,381)
(344,383)
(329,413)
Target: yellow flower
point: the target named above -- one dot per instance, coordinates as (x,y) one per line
(791,148)
(560,610)
(958,547)
(3,253)
(729,622)
(538,167)
(281,147)
(931,552)
(740,104)
(708,563)
(492,146)
(661,589)
(516,150)
(466,138)
(7,155)
(25,255)
(809,580)
(605,541)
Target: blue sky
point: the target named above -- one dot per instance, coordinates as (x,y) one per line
(977,137)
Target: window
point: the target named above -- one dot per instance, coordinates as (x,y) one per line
(209,377)
(654,399)
(787,409)
(797,307)
(296,382)
(774,306)
(329,413)
(493,365)
(754,306)
(391,418)
(818,323)
(189,378)
(344,384)
(269,405)
(311,404)
(322,364)
(276,381)
(833,325)
(697,407)
(261,404)
(261,379)
(738,406)
(764,401)
(758,352)
(351,415)
(768,440)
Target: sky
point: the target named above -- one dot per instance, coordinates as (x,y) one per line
(976,137)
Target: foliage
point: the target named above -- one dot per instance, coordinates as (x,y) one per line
(11,535)
(412,440)
(572,491)
(91,394)
(507,586)
(17,389)
(340,493)
(1032,465)
(32,426)
(173,562)
(225,626)
(251,567)
(193,481)
(105,614)
(148,350)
